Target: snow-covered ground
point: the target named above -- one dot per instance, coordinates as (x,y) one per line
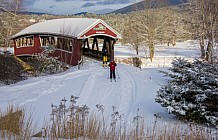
(133,90)
(163,54)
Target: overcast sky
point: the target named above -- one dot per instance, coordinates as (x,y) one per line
(75,6)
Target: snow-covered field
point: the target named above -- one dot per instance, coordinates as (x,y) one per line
(163,54)
(133,90)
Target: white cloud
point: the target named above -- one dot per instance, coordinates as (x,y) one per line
(71,6)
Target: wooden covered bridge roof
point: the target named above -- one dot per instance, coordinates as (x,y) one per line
(79,28)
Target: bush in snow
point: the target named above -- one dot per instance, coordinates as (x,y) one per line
(49,65)
(11,70)
(192,92)
(45,64)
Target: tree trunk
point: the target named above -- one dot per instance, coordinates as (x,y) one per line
(137,49)
(209,53)
(174,41)
(151,51)
(202,47)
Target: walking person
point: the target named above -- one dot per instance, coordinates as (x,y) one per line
(104,56)
(112,66)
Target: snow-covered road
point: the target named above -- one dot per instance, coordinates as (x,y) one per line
(133,90)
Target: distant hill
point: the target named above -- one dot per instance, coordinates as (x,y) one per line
(81,13)
(141,6)
(38,13)
(32,13)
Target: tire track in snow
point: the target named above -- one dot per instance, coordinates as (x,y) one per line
(21,94)
(99,90)
(87,92)
(25,93)
(128,92)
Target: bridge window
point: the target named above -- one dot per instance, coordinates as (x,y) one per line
(65,44)
(48,40)
(24,42)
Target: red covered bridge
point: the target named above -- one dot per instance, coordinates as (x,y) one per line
(71,37)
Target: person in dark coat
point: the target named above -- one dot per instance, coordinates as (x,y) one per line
(112,66)
(104,56)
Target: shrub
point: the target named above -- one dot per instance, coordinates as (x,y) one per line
(11,71)
(192,92)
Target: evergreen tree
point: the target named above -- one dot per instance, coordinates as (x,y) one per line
(192,93)
(49,65)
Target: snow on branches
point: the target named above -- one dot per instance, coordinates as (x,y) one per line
(192,92)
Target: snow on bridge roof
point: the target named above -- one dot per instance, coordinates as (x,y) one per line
(72,27)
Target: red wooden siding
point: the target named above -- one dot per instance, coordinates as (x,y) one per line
(64,56)
(28,50)
(69,57)
(98,29)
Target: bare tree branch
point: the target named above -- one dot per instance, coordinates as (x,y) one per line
(8,19)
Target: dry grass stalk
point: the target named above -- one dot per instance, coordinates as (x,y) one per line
(14,124)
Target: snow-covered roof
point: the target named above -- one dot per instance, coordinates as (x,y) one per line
(73,27)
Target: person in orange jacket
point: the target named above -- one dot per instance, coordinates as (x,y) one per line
(112,66)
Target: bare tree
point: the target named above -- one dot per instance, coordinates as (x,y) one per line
(205,15)
(152,22)
(130,36)
(8,19)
